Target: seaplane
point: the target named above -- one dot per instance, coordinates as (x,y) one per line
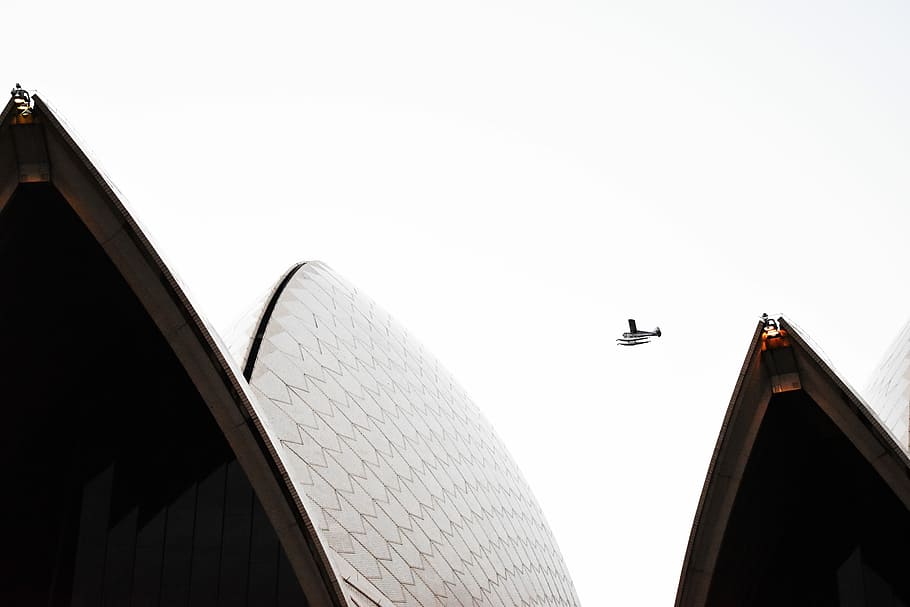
(636,337)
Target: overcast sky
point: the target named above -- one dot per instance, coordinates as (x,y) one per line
(512,180)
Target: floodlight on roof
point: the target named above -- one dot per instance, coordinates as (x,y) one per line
(773,336)
(778,357)
(22,100)
(770,327)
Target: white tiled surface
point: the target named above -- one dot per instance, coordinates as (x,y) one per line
(409,487)
(888,393)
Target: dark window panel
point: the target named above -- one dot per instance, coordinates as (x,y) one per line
(118,569)
(149,556)
(178,550)
(264,556)
(88,577)
(207,539)
(235,548)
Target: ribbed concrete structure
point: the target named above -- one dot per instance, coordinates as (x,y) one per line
(888,392)
(406,484)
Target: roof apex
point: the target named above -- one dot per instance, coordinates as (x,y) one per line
(794,363)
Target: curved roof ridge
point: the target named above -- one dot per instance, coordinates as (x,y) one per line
(265,316)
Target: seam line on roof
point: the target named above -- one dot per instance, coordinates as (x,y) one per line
(264,321)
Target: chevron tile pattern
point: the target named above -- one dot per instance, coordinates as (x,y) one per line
(411,492)
(888,393)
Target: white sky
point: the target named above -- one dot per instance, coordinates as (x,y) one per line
(512,180)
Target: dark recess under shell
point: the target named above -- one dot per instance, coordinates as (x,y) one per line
(119,487)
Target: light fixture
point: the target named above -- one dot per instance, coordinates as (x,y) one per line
(22,100)
(778,357)
(773,336)
(770,328)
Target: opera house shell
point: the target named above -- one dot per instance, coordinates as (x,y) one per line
(334,463)
(807,498)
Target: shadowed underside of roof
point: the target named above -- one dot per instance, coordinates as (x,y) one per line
(109,372)
(409,486)
(806,498)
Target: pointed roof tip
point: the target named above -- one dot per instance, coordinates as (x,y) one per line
(811,349)
(794,364)
(21,100)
